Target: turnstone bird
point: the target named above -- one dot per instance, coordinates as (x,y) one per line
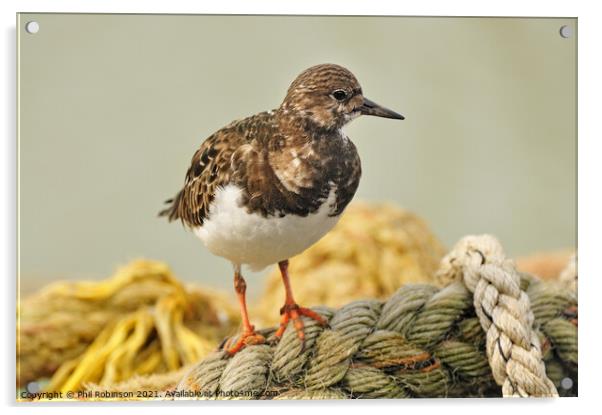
(265,188)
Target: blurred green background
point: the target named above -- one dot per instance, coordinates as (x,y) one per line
(112,108)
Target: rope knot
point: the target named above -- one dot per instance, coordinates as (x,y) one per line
(469,255)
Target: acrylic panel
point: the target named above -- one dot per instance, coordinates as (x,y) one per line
(454,259)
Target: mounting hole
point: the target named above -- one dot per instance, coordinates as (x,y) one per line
(32,27)
(566,31)
(566,383)
(33,387)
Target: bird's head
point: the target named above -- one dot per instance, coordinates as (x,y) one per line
(329,96)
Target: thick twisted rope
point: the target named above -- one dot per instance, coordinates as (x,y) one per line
(504,311)
(421,342)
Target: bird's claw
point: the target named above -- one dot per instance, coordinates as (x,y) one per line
(248,337)
(294,312)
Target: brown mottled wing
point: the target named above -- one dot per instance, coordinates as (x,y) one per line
(210,168)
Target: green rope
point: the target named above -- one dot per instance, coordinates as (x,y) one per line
(421,342)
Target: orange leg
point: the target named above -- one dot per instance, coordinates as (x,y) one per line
(291,310)
(248,335)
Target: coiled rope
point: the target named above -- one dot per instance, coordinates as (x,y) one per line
(490,326)
(140,321)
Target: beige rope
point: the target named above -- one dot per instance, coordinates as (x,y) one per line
(504,311)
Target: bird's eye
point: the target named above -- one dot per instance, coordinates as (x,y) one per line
(339,95)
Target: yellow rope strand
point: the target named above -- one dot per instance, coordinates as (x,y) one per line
(145,320)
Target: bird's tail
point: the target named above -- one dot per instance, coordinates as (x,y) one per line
(172,210)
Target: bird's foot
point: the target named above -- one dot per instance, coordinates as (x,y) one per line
(294,312)
(246,338)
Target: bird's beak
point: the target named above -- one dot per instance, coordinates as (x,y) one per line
(372,108)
